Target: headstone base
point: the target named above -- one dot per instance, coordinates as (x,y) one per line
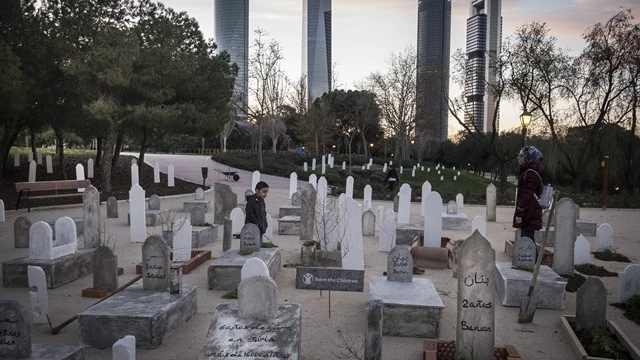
(586,227)
(512,284)
(410,309)
(150,316)
(59,271)
(151,217)
(406,233)
(55,352)
(283,342)
(190,205)
(79,227)
(289,210)
(203,235)
(289,225)
(458,221)
(446,350)
(224,272)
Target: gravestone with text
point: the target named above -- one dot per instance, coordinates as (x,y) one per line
(400,264)
(250,238)
(16,330)
(524,253)
(475,326)
(155,264)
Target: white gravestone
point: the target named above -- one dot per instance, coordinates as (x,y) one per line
(581,251)
(413,173)
(321,195)
(29,156)
(41,246)
(90,168)
(387,235)
(379,217)
(475,327)
(344,165)
(460,201)
(255,178)
(313,180)
(32,171)
(134,161)
(313,164)
(479,224)
(38,294)
(352,246)
(80,174)
(66,241)
(156,173)
(404,204)
(293,184)
(433,220)
(137,213)
(182,242)
(565,237)
(49,163)
(2,219)
(305,167)
(629,282)
(253,267)
(324,165)
(16,160)
(237,220)
(368,193)
(441,178)
(491,202)
(171,182)
(348,188)
(401,169)
(199,194)
(384,168)
(426,189)
(135,178)
(124,349)
(604,236)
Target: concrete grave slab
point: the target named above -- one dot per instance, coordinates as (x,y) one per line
(203,235)
(59,271)
(224,272)
(409,309)
(458,221)
(512,284)
(406,233)
(289,225)
(150,316)
(280,337)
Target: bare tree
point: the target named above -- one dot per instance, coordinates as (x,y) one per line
(266,84)
(274,128)
(395,91)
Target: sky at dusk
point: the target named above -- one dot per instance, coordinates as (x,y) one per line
(366,32)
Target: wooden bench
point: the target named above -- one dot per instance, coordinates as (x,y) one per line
(26,189)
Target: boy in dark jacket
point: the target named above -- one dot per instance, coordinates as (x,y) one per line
(256,209)
(528,214)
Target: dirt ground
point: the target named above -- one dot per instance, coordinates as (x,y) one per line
(541,340)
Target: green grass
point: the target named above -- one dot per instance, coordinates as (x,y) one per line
(282,164)
(50,151)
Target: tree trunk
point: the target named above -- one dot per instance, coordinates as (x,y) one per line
(98,151)
(6,140)
(60,151)
(109,151)
(260,162)
(116,150)
(364,144)
(274,140)
(317,143)
(143,149)
(630,169)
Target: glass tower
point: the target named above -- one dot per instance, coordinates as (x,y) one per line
(316,47)
(484,33)
(232,36)
(432,81)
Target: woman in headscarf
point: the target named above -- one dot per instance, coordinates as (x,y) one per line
(528,214)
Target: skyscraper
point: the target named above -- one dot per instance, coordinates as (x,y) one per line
(316,47)
(484,34)
(232,36)
(432,81)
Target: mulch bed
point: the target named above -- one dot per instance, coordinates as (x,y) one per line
(610,256)
(120,181)
(631,308)
(574,282)
(594,270)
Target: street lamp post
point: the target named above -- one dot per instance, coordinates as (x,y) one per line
(525,120)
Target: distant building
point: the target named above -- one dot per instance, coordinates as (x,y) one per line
(232,36)
(484,34)
(432,81)
(316,47)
